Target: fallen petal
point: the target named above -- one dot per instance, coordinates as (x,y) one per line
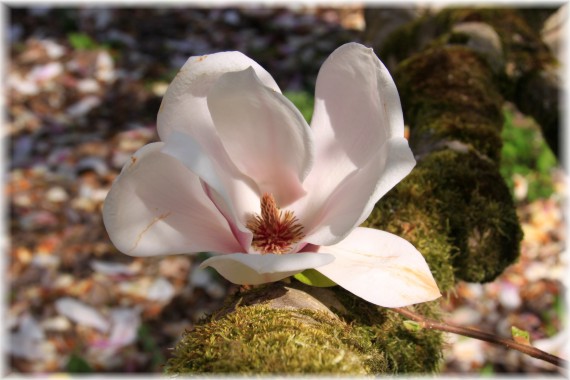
(161,290)
(81,313)
(112,269)
(126,322)
(27,342)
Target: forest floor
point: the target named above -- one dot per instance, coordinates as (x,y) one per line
(83,88)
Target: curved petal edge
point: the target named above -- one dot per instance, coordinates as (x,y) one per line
(381,268)
(254,269)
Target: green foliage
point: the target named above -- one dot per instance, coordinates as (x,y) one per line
(77,364)
(412,326)
(314,278)
(82,41)
(304,101)
(520,336)
(149,345)
(525,153)
(487,370)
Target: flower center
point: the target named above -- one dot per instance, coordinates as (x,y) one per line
(274,231)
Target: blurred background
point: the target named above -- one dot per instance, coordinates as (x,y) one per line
(83,86)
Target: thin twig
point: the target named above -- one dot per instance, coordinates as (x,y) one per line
(509,343)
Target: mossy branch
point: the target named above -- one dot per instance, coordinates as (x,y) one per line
(454,207)
(294,328)
(480,335)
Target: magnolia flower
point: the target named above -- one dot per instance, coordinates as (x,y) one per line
(239,173)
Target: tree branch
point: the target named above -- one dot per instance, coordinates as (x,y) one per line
(476,334)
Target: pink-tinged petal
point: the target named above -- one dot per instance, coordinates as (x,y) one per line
(264,134)
(381,268)
(353,199)
(235,195)
(357,114)
(157,206)
(184,111)
(357,107)
(255,269)
(126,323)
(184,107)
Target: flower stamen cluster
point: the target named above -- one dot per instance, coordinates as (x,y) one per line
(274,231)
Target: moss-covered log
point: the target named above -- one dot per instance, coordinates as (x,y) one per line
(297,329)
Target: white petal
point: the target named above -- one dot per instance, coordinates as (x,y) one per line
(234,194)
(357,113)
(381,268)
(264,134)
(353,200)
(184,105)
(157,206)
(184,110)
(356,103)
(254,269)
(81,313)
(31,327)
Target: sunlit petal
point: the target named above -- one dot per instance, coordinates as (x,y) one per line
(358,130)
(265,136)
(381,268)
(354,198)
(184,107)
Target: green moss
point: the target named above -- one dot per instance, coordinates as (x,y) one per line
(481,213)
(456,209)
(469,226)
(448,94)
(404,351)
(259,339)
(405,212)
(264,338)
